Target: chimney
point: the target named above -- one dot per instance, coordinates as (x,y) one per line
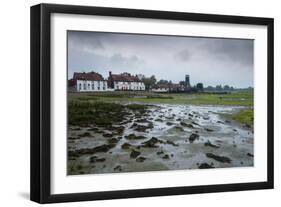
(109,73)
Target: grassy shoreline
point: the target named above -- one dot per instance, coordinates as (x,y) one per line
(230,99)
(95,106)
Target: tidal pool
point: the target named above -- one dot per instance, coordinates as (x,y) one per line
(166,137)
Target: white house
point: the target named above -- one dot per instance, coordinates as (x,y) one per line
(86,82)
(125,81)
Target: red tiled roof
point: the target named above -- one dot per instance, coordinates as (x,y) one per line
(125,77)
(92,76)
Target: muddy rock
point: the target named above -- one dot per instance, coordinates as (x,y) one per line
(166,157)
(219,158)
(140,159)
(126,146)
(160,152)
(133,136)
(113,141)
(159,120)
(172,143)
(101,148)
(193,137)
(117,168)
(152,142)
(85,134)
(169,123)
(250,155)
(209,130)
(95,159)
(134,153)
(205,166)
(107,135)
(194,123)
(209,144)
(179,128)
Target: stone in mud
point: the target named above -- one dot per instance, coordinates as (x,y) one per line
(113,140)
(142,128)
(169,123)
(85,134)
(134,125)
(97,130)
(140,159)
(178,119)
(166,157)
(219,158)
(101,148)
(72,138)
(118,168)
(235,130)
(194,123)
(209,130)
(134,153)
(179,128)
(160,152)
(183,124)
(206,118)
(247,125)
(133,136)
(159,120)
(172,143)
(193,137)
(152,142)
(186,125)
(219,122)
(95,159)
(227,121)
(205,166)
(126,146)
(116,129)
(250,155)
(142,121)
(107,135)
(209,144)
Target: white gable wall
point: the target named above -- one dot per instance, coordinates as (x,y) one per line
(135,86)
(86,85)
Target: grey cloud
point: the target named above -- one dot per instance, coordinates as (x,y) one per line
(121,61)
(183,55)
(209,60)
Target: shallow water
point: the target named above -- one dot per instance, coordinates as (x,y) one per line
(228,139)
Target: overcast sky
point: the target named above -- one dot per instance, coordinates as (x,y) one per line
(211,61)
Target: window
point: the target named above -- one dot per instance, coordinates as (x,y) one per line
(89,85)
(84,86)
(103,88)
(93,86)
(98,88)
(80,86)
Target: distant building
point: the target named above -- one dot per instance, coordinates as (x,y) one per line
(85,82)
(125,81)
(182,86)
(160,88)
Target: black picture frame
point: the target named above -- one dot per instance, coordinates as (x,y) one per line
(41,99)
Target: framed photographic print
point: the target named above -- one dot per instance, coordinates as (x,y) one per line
(133,103)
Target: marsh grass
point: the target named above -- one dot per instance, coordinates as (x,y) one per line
(234,98)
(244,116)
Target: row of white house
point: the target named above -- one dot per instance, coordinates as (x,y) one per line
(92,81)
